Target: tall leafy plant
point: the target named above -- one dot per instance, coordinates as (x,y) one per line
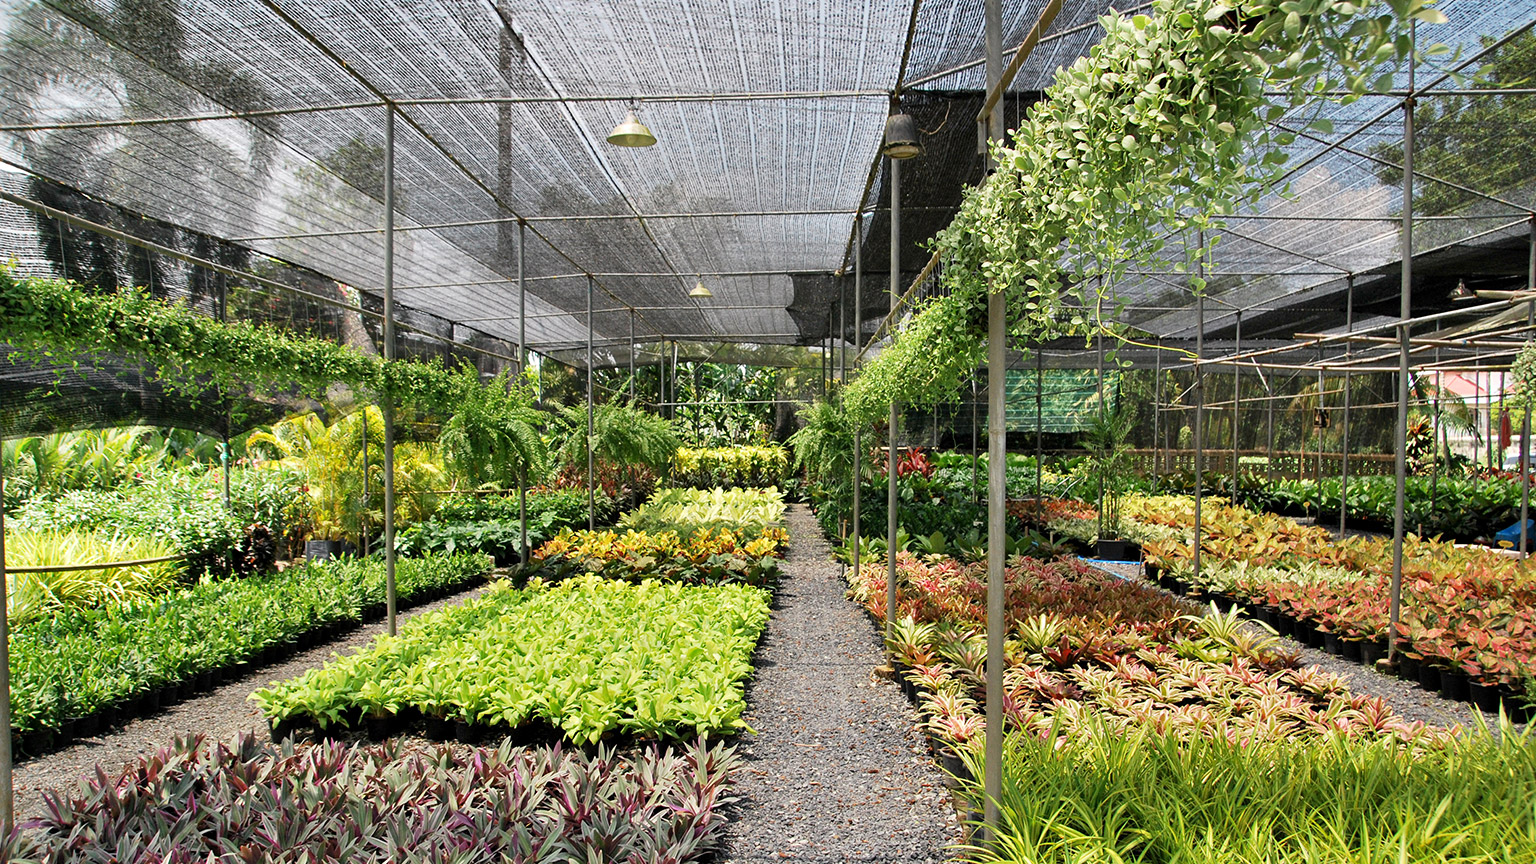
(823,446)
(492,439)
(622,435)
(1106,441)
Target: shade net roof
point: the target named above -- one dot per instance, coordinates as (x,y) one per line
(769,117)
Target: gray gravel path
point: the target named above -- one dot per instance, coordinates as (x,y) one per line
(220,714)
(836,771)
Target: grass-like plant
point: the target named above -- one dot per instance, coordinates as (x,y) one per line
(1149,798)
(34,594)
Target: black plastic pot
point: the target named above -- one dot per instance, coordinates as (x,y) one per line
(1318,639)
(280,730)
(439,728)
(1453,684)
(1349,649)
(380,727)
(954,765)
(1429,677)
(464,733)
(1331,643)
(1484,696)
(1372,650)
(1117,550)
(1407,667)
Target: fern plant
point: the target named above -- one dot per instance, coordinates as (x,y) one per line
(492,439)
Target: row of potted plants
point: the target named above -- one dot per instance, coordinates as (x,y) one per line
(1468,622)
(77,671)
(1086,648)
(401,803)
(587,659)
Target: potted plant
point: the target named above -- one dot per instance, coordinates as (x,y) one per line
(1106,442)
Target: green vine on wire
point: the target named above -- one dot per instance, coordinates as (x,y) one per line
(68,325)
(1162,129)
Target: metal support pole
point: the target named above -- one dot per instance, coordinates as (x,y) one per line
(591,457)
(1098,349)
(522,369)
(1269,435)
(1157,408)
(388,406)
(7,788)
(1199,389)
(1405,310)
(858,431)
(842,333)
(1237,403)
(891,520)
(1039,425)
(975,440)
(1525,423)
(224,452)
(366,492)
(997,478)
(632,350)
(1349,326)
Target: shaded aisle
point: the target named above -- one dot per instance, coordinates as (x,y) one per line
(836,771)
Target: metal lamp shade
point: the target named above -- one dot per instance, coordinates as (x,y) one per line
(631,133)
(700,291)
(901,141)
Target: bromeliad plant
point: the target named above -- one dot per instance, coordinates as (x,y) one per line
(395,803)
(589,657)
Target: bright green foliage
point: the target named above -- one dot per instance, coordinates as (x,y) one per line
(621,436)
(33,594)
(492,439)
(1165,125)
(194,355)
(76,662)
(331,459)
(708,467)
(824,444)
(1146,798)
(745,512)
(588,656)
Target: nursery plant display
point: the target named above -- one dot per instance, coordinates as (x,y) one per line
(1088,649)
(75,668)
(1152,796)
(687,512)
(587,658)
(396,803)
(490,524)
(1468,614)
(36,594)
(749,466)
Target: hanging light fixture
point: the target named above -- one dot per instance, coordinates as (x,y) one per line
(1462,292)
(700,292)
(901,140)
(631,132)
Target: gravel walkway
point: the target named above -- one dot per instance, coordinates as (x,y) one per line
(220,714)
(836,771)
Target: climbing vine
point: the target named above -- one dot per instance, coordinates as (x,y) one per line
(1161,129)
(65,324)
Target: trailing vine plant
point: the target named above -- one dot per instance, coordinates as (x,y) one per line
(69,325)
(1162,128)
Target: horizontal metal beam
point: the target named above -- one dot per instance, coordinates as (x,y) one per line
(684,307)
(982,61)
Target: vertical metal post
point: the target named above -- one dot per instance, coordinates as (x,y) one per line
(522,369)
(1237,402)
(1318,477)
(1098,349)
(591,457)
(224,452)
(633,349)
(1269,433)
(1434,447)
(842,332)
(1157,408)
(975,440)
(7,789)
(366,492)
(1039,424)
(1199,403)
(1349,327)
(1405,310)
(891,520)
(997,478)
(388,408)
(858,430)
(1525,423)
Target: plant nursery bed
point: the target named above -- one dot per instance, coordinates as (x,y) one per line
(220,714)
(77,675)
